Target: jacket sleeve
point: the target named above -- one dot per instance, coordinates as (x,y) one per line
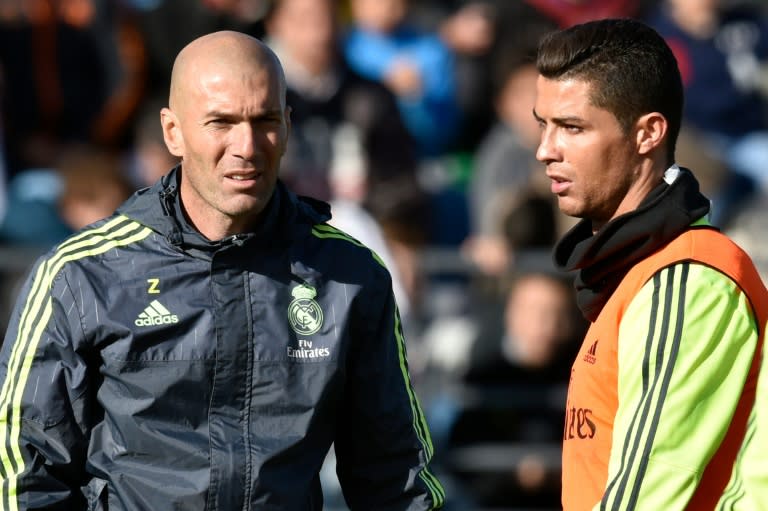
(43,402)
(686,344)
(748,487)
(383,447)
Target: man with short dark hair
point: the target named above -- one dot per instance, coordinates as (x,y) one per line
(662,388)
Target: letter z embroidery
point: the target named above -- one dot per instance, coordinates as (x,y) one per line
(154,286)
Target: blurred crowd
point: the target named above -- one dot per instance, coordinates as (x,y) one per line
(413,119)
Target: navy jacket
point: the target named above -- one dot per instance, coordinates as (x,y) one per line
(146,368)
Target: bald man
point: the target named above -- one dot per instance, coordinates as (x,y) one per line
(204,347)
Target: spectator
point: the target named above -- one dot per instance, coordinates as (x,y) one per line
(528,362)
(540,334)
(471,30)
(94,184)
(505,167)
(73,78)
(722,52)
(417,66)
(327,98)
(509,397)
(85,183)
(530,228)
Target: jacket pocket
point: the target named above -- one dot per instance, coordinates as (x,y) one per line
(96,495)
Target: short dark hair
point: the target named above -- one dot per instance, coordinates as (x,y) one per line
(630,67)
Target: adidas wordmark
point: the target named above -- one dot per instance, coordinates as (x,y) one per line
(156,314)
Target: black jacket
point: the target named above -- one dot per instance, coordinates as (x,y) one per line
(146,368)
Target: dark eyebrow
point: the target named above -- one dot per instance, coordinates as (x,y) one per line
(560,121)
(269,114)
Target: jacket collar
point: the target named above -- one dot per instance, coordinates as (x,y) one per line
(159,207)
(603,258)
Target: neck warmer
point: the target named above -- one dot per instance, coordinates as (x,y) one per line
(605,257)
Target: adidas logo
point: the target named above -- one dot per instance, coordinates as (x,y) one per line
(591,355)
(156,314)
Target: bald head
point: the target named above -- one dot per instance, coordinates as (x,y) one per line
(229,124)
(214,53)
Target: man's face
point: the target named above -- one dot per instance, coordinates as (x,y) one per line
(231,127)
(591,162)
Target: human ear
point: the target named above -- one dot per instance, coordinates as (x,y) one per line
(651,132)
(174,139)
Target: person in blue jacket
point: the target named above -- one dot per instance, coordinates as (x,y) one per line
(416,65)
(205,346)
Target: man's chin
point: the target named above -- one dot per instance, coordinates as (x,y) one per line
(246,205)
(569,208)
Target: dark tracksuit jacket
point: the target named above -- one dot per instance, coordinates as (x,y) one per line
(146,368)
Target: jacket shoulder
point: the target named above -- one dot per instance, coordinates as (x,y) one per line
(100,238)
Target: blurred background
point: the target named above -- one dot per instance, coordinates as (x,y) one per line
(413,119)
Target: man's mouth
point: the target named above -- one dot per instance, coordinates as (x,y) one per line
(559,184)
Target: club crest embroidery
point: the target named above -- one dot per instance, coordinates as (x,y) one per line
(304,313)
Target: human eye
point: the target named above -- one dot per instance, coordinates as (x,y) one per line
(573,128)
(268,120)
(215,124)
(218,122)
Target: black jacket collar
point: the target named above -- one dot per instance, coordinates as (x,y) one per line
(159,207)
(605,257)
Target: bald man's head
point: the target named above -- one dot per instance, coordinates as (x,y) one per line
(225,50)
(229,124)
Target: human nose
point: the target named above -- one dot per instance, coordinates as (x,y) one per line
(243,141)
(547,150)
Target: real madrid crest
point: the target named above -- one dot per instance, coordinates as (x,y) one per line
(304,313)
